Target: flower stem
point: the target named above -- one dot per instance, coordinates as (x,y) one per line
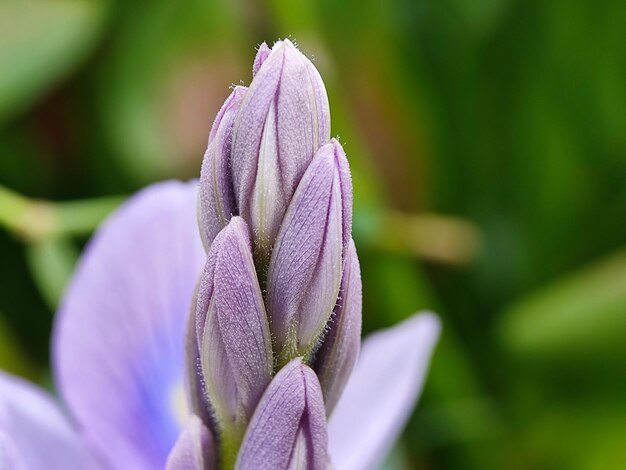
(35,220)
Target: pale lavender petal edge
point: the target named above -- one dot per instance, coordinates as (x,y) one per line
(34,433)
(381,392)
(194,449)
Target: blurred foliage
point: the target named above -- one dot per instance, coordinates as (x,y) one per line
(488,145)
(41,41)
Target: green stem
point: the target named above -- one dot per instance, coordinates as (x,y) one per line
(231,442)
(36,220)
(438,238)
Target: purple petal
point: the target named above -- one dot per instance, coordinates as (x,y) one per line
(283,120)
(118,343)
(340,348)
(33,431)
(288,429)
(305,268)
(194,449)
(204,292)
(197,395)
(9,456)
(261,55)
(381,393)
(236,348)
(216,199)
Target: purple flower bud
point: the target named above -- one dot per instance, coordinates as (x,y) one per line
(306,264)
(194,449)
(216,199)
(235,343)
(270,161)
(288,429)
(340,349)
(283,119)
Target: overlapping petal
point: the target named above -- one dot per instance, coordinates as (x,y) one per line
(381,393)
(216,198)
(236,348)
(118,343)
(340,349)
(194,449)
(288,429)
(283,119)
(305,268)
(34,433)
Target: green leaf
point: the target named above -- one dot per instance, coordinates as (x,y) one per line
(41,42)
(52,262)
(580,315)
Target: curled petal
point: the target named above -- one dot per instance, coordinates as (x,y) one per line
(288,429)
(118,340)
(33,431)
(236,348)
(339,352)
(284,118)
(305,268)
(194,449)
(381,393)
(216,199)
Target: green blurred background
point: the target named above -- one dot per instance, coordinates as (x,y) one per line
(488,145)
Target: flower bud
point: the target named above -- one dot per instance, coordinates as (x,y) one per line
(288,429)
(340,349)
(216,199)
(305,268)
(235,345)
(283,119)
(194,449)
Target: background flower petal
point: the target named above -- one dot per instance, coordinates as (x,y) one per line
(381,393)
(118,344)
(34,433)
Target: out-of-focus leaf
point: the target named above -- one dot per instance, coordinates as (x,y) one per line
(580,437)
(435,237)
(458,421)
(40,42)
(480,17)
(166,78)
(35,220)
(82,217)
(51,262)
(580,315)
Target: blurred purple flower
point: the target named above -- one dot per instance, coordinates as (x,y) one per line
(271,379)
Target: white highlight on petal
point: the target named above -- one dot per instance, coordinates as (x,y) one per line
(178,401)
